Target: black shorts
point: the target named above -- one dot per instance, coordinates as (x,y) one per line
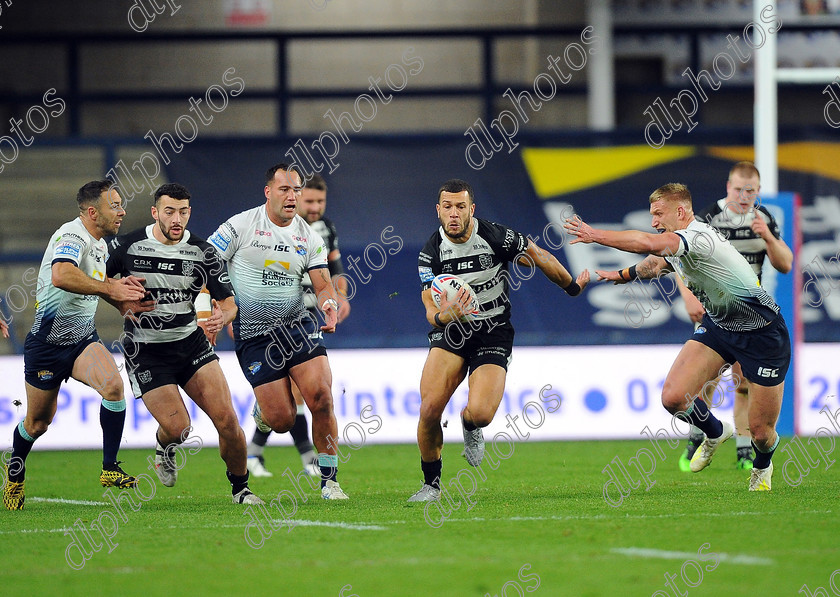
(269,357)
(46,365)
(151,365)
(478,342)
(764,354)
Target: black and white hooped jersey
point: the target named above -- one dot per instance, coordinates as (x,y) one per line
(175,274)
(737,229)
(326,230)
(266,263)
(63,317)
(481,261)
(721,279)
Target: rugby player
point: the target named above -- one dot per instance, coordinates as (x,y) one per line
(754,232)
(742,322)
(165,349)
(268,249)
(478,251)
(311,206)
(63,342)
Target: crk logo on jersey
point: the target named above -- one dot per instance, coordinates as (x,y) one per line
(187,267)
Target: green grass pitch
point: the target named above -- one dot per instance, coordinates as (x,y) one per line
(539,524)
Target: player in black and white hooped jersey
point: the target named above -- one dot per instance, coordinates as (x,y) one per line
(311,206)
(63,342)
(268,249)
(478,251)
(165,348)
(755,234)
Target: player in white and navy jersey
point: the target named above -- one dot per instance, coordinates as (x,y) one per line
(753,231)
(742,322)
(63,342)
(165,349)
(268,249)
(479,252)
(310,206)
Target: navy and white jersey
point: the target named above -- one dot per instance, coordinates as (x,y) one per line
(737,229)
(63,317)
(266,263)
(721,279)
(481,261)
(175,274)
(326,230)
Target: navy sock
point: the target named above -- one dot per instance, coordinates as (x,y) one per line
(467,425)
(431,472)
(300,434)
(20,450)
(762,459)
(112,421)
(238,482)
(259,437)
(699,415)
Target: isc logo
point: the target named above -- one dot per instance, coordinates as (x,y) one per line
(768,372)
(166,266)
(465,265)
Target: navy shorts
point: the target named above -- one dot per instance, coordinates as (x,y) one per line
(269,357)
(151,365)
(764,354)
(479,342)
(46,365)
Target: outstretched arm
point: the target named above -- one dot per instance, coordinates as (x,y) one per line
(632,241)
(554,270)
(69,277)
(649,267)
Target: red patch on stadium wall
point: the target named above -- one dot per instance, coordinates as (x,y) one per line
(248,13)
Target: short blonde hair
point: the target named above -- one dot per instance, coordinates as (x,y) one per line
(673,191)
(745,169)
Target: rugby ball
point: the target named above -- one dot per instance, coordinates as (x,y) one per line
(450,285)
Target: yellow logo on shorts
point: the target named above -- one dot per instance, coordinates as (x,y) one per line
(45,375)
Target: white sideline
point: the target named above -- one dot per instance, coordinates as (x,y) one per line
(383,524)
(662,554)
(63,501)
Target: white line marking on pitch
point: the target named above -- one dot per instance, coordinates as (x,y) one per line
(356,526)
(643,552)
(63,501)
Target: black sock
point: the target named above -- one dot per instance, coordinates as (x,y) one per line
(701,417)
(259,437)
(467,425)
(20,450)
(431,472)
(300,434)
(762,459)
(238,482)
(112,423)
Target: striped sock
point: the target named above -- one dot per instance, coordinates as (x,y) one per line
(329,467)
(21,445)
